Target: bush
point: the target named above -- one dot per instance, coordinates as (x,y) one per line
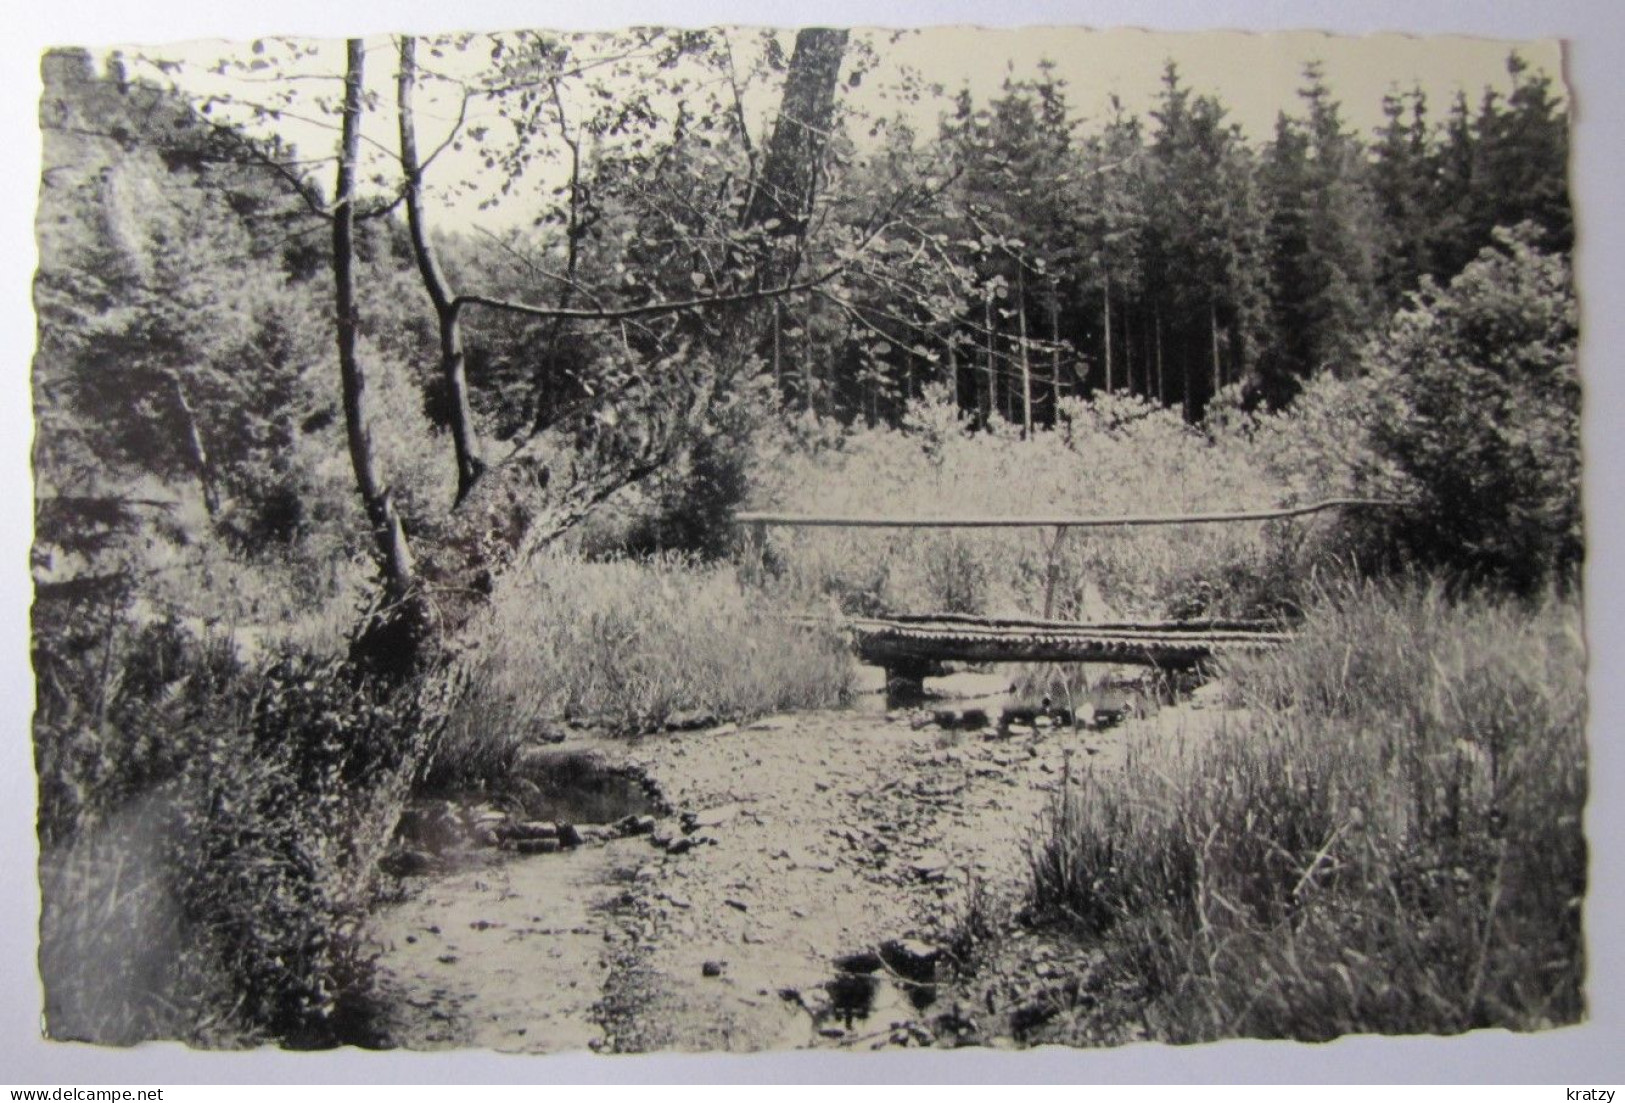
(1479,409)
(286,813)
(209,837)
(1389,839)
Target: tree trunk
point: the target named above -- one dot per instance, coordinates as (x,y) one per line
(807,391)
(196,453)
(1213,337)
(394,556)
(1156,322)
(453,376)
(953,371)
(778,361)
(789,178)
(1128,346)
(1054,351)
(1026,364)
(1189,395)
(1106,314)
(989,396)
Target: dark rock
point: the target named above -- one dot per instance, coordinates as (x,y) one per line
(689,721)
(737,905)
(406,863)
(864,961)
(636,825)
(680,846)
(531,829)
(911,959)
(973,719)
(1106,718)
(568,835)
(1029,1017)
(713,968)
(536,846)
(430,825)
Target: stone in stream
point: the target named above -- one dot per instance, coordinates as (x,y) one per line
(405,863)
(911,959)
(530,829)
(689,721)
(863,961)
(636,825)
(713,968)
(930,865)
(568,835)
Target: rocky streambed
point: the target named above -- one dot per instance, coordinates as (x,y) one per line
(793,882)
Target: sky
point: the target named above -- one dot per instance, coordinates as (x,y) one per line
(1256,75)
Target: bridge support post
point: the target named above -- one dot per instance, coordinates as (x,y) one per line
(1052,571)
(905,682)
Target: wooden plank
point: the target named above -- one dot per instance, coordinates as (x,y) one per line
(976,620)
(809,520)
(892,644)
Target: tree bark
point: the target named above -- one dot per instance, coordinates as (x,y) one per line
(988,398)
(196,453)
(1162,392)
(1054,351)
(1213,338)
(394,555)
(789,177)
(1106,313)
(465,442)
(1026,362)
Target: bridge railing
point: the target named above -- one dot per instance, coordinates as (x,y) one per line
(756,524)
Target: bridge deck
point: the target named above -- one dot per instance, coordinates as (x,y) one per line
(903,642)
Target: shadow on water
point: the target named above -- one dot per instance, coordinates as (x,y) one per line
(865,989)
(577,787)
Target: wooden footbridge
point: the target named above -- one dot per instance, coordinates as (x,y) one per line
(910,647)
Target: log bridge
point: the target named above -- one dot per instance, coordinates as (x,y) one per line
(912,647)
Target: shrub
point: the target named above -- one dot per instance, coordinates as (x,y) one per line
(1389,839)
(209,837)
(1479,409)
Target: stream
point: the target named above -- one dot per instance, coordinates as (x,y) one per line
(782,883)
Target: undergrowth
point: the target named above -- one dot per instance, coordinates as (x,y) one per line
(209,836)
(1388,839)
(632,645)
(1109,456)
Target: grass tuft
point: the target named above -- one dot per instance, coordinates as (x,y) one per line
(1388,839)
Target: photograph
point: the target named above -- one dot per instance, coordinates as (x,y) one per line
(719,539)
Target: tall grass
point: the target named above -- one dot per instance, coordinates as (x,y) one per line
(631,645)
(1387,839)
(1112,455)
